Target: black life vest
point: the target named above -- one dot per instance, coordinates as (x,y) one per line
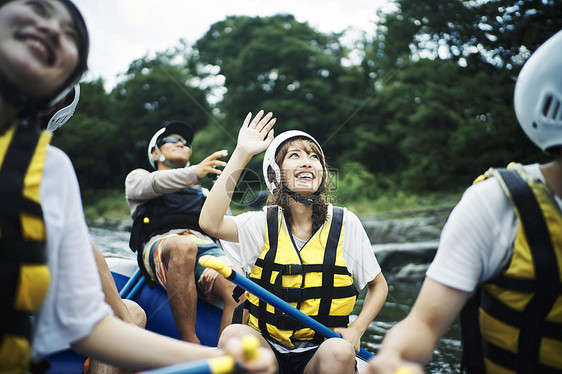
(176,210)
(24,275)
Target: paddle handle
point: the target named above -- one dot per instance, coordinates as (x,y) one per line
(250,346)
(217,365)
(403,370)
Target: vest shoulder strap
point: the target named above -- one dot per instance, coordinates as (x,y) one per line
(24,275)
(544,261)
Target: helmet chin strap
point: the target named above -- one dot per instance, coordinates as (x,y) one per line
(30,106)
(174,166)
(170,164)
(306,200)
(161,158)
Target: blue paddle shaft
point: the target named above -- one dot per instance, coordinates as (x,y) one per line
(135,289)
(194,367)
(130,284)
(216,365)
(290,310)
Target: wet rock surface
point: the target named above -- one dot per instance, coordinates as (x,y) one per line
(406,227)
(405,242)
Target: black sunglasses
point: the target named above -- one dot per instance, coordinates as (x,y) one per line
(172,139)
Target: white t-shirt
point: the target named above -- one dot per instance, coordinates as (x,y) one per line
(477,240)
(75,302)
(357,250)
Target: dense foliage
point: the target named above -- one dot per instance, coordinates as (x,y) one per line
(425,104)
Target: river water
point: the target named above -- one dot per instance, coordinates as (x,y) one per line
(403,265)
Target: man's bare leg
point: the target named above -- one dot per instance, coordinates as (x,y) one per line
(179,254)
(223,288)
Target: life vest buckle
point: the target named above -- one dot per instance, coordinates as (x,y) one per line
(293,269)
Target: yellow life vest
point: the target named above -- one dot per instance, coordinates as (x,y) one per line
(520,314)
(24,275)
(315,280)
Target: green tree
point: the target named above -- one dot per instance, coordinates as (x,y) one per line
(479,34)
(286,67)
(90,139)
(155,90)
(444,73)
(428,107)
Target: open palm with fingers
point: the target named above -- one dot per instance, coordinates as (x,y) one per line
(256,134)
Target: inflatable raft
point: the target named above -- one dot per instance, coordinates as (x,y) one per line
(154,301)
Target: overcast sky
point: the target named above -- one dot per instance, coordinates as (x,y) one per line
(124,30)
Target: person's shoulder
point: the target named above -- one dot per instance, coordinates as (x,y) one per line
(136,173)
(139,171)
(57,153)
(59,160)
(347,214)
(488,184)
(484,183)
(484,196)
(255,213)
(267,208)
(59,178)
(534,171)
(251,216)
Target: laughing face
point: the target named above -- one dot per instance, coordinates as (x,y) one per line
(38,45)
(302,169)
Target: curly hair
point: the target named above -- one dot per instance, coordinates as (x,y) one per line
(321,197)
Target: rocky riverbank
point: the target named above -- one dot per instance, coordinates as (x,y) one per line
(112,223)
(407,226)
(404,242)
(383,229)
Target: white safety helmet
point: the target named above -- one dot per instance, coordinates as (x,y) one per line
(538,95)
(152,145)
(172,127)
(64,114)
(269,157)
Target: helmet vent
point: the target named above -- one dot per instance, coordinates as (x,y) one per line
(546,105)
(551,109)
(556,110)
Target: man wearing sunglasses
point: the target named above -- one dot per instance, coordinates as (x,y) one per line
(165,205)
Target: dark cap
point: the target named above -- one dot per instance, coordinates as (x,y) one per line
(178,127)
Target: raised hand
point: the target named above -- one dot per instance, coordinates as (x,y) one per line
(209,164)
(254,137)
(256,134)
